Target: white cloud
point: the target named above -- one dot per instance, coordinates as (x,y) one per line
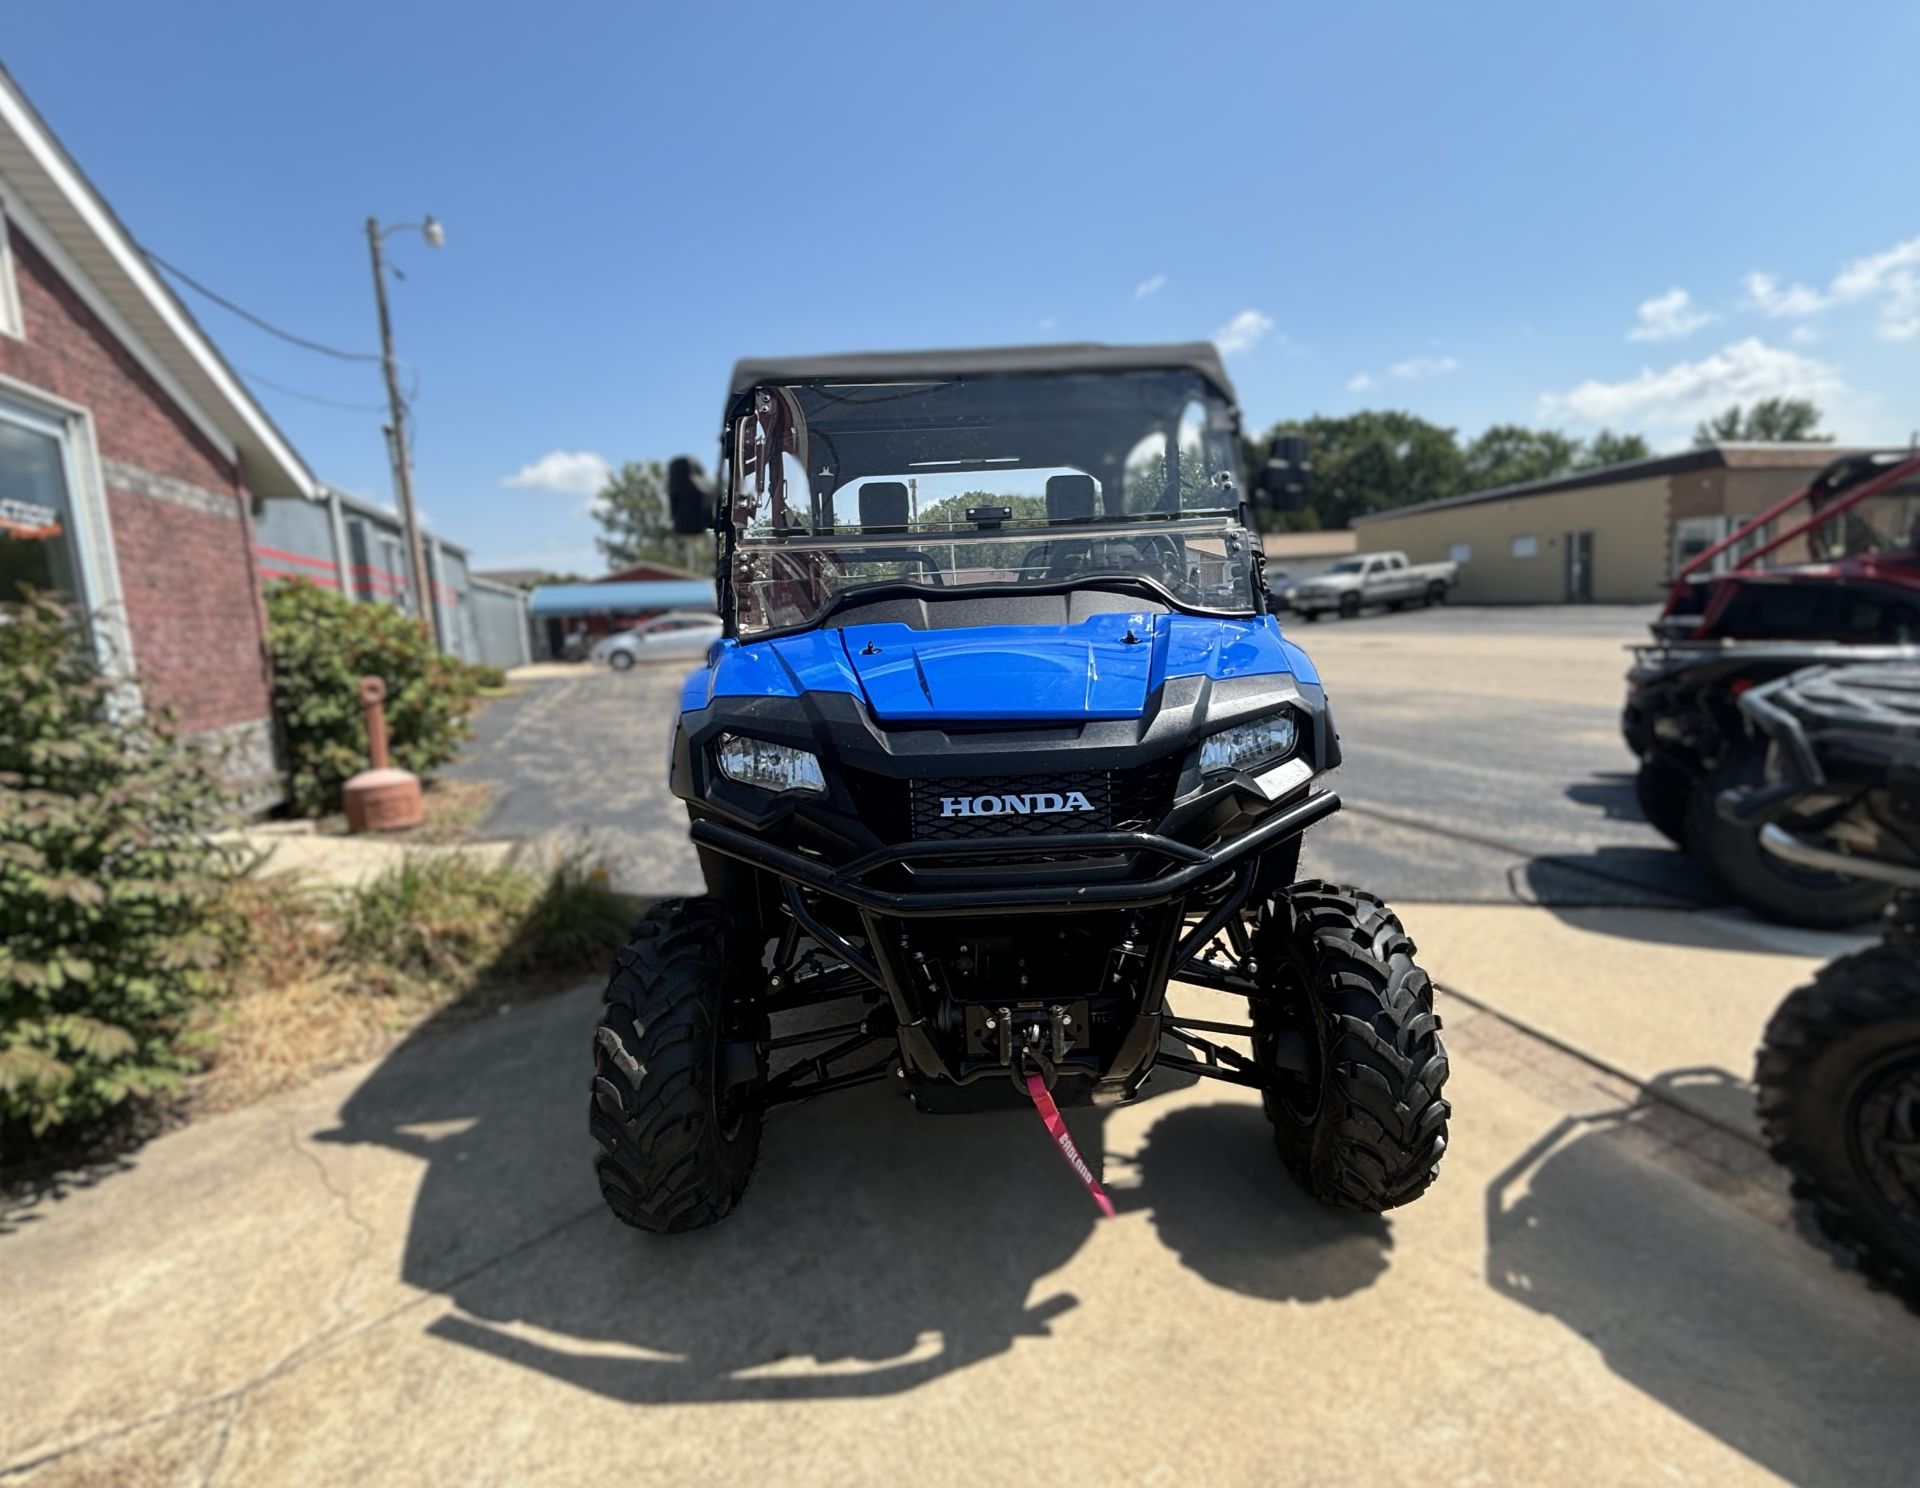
(1414,367)
(1688,391)
(1242,332)
(569,472)
(1047,322)
(1667,316)
(1766,294)
(1359,382)
(1150,286)
(1893,278)
(1803,335)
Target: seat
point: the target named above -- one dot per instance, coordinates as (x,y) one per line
(883,506)
(1070,498)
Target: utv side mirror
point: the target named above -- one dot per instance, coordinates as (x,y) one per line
(689,495)
(1283,480)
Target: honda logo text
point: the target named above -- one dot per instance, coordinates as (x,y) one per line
(1034,803)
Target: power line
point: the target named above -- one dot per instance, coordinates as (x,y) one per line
(187,279)
(268,382)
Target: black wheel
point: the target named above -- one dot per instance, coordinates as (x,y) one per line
(1839,1078)
(620,661)
(1310,616)
(673,1111)
(1365,1126)
(1349,606)
(1770,886)
(1436,594)
(1663,790)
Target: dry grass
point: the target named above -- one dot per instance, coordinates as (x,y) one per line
(324,979)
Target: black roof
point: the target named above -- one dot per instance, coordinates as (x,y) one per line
(982,361)
(1709,457)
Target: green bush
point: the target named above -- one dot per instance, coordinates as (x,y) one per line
(487,676)
(323,644)
(109,883)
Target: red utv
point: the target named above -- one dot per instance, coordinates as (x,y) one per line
(1830,574)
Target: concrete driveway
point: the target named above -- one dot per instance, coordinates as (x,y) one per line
(403,1274)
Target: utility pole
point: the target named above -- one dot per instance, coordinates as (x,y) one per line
(397,430)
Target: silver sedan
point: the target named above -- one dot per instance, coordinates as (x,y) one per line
(677,636)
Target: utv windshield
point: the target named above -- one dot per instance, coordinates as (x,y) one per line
(1126,478)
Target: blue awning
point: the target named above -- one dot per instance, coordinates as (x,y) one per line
(621,599)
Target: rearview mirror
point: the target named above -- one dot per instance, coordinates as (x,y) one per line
(689,496)
(1284,479)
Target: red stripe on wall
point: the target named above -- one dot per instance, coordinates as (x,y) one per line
(267,572)
(266,552)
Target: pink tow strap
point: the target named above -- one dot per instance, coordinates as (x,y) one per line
(1063,1139)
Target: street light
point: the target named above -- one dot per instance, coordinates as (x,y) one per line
(436,237)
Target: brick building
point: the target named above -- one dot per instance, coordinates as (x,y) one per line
(132,458)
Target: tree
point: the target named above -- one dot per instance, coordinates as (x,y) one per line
(636,525)
(1367,462)
(1770,421)
(1512,454)
(1609,448)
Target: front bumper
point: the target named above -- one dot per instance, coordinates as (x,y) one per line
(1188,866)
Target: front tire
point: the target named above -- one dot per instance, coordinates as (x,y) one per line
(1366,1125)
(1349,607)
(621,661)
(678,1131)
(1839,1078)
(1770,886)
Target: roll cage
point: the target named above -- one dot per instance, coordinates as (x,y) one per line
(767,396)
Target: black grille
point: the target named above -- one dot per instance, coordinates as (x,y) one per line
(1121,801)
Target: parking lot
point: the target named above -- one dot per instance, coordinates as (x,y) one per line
(403,1271)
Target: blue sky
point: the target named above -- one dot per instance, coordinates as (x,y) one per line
(1479,213)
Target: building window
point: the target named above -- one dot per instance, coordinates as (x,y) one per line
(1526,545)
(11,321)
(360,559)
(39,548)
(1460,553)
(54,537)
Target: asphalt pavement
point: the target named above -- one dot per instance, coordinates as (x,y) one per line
(1483,762)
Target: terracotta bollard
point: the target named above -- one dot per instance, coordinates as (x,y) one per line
(382,799)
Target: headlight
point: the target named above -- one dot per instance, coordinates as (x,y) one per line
(772,767)
(1248,744)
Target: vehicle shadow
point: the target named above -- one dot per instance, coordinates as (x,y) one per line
(876,1250)
(1612,792)
(1616,874)
(1740,1329)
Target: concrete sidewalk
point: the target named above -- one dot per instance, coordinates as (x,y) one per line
(1675,999)
(402,1274)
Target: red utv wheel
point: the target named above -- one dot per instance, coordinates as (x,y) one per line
(1663,791)
(1839,1078)
(1769,886)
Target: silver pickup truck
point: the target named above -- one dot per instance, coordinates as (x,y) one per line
(1371,579)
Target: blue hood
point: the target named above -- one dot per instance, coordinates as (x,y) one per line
(1105,667)
(1021,673)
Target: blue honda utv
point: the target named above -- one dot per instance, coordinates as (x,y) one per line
(1002,737)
